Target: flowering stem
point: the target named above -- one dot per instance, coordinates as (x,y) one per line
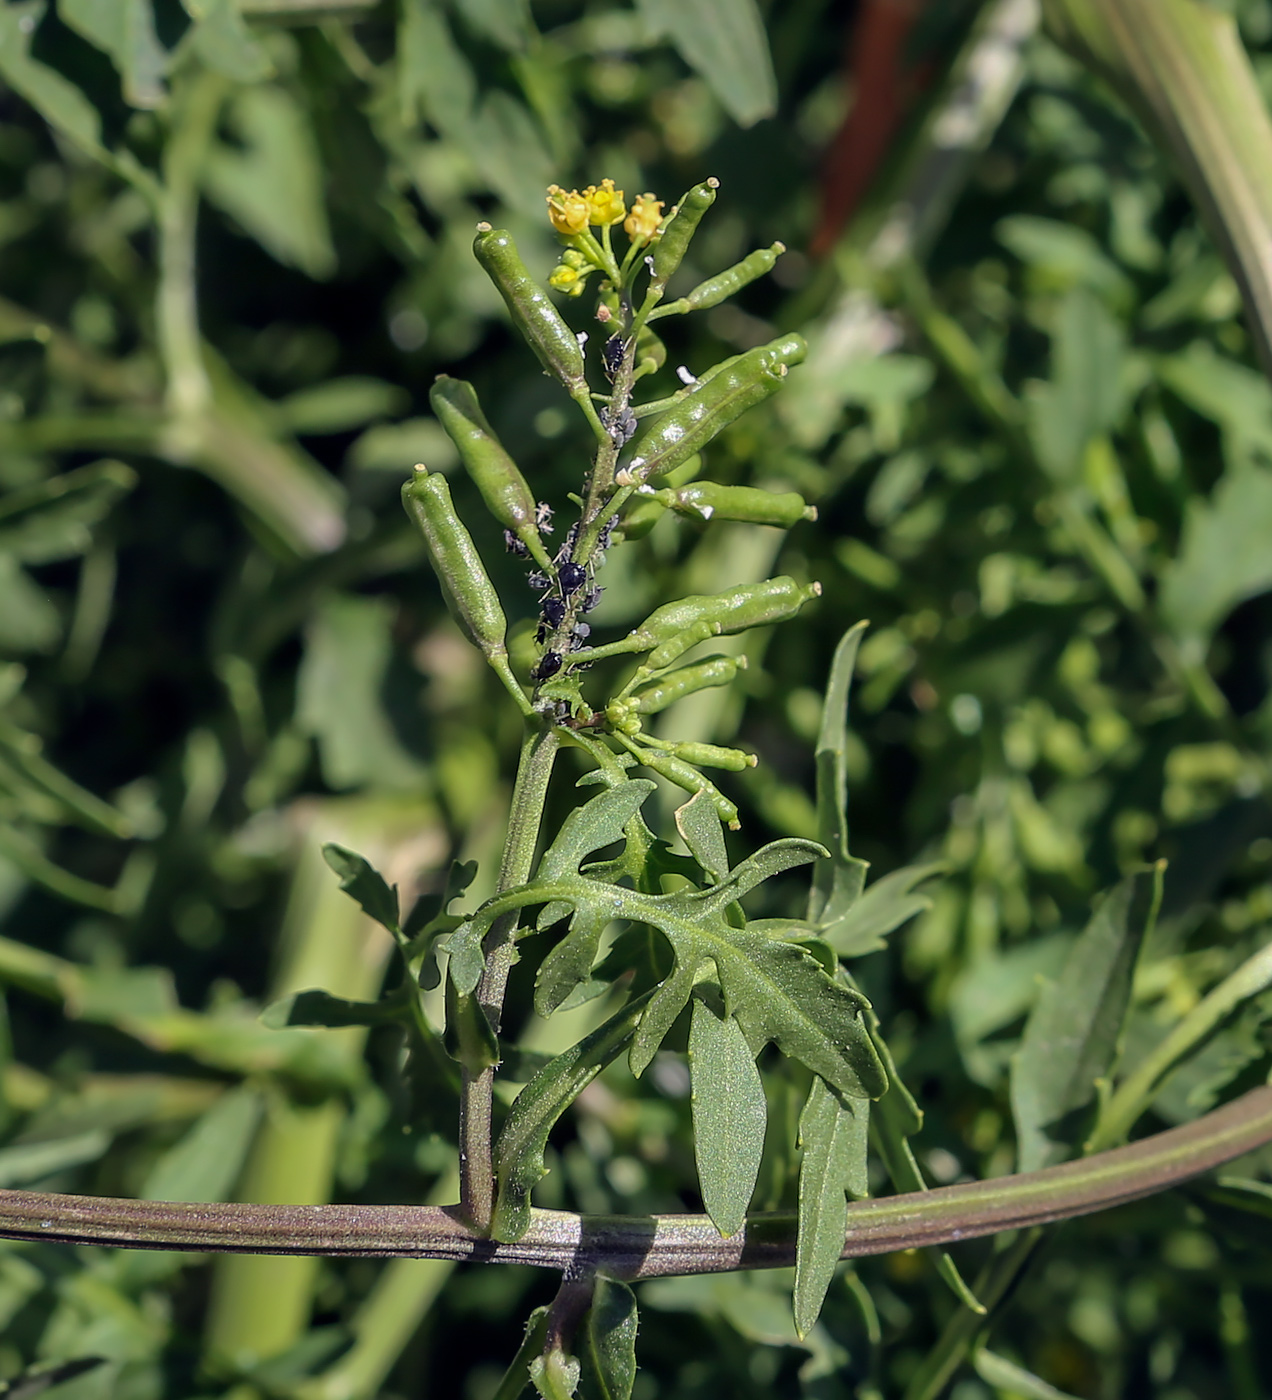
(601,481)
(476,1109)
(584,401)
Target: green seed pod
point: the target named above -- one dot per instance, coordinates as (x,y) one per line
(532,309)
(651,353)
(703,675)
(644,512)
(469,593)
(677,771)
(641,518)
(494,473)
(681,475)
(708,499)
(723,285)
(793,346)
(712,756)
(668,632)
(680,227)
(709,407)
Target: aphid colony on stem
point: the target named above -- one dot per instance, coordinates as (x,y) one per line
(634,477)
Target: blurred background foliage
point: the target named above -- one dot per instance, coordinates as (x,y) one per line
(1042,454)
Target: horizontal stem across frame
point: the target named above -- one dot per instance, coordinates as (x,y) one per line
(636,1247)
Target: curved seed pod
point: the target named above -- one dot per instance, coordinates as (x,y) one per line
(713,756)
(723,285)
(747,605)
(793,345)
(680,227)
(641,518)
(651,353)
(669,631)
(503,488)
(644,512)
(469,593)
(680,475)
(708,499)
(531,308)
(677,771)
(710,406)
(703,675)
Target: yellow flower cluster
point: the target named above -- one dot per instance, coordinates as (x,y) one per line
(571,214)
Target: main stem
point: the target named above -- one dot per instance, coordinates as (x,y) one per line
(476,1105)
(657,1246)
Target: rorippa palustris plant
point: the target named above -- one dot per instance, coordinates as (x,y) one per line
(684,946)
(687,946)
(690,948)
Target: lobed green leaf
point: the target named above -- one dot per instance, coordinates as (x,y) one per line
(864,926)
(700,828)
(363,883)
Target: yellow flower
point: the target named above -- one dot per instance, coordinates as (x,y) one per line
(605,203)
(568,212)
(642,223)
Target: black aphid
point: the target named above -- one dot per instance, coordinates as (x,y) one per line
(612,354)
(549,665)
(539,581)
(514,546)
(591,598)
(572,577)
(554,611)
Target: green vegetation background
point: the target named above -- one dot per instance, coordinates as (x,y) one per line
(230,648)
